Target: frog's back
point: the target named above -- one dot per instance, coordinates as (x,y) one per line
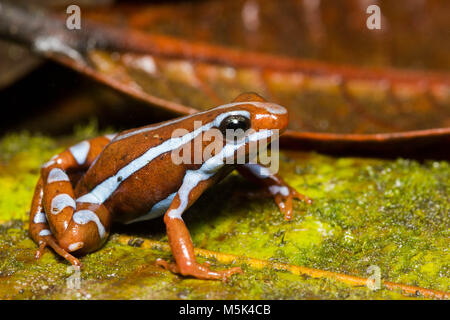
(135,171)
(113,158)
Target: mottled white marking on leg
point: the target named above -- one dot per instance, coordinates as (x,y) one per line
(85,216)
(283,190)
(57,175)
(60,202)
(75,246)
(40,218)
(45,232)
(54,160)
(48,164)
(80,151)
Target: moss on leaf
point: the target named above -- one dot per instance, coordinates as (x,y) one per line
(390,213)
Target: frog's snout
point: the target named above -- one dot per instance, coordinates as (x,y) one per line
(265,115)
(271,117)
(283,118)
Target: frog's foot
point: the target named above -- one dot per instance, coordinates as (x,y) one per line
(51,242)
(283,196)
(199,271)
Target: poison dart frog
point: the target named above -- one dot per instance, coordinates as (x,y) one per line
(131,176)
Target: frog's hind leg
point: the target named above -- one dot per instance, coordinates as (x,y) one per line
(39,229)
(53,203)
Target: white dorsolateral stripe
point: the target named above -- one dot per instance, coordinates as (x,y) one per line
(258,170)
(102,191)
(271,107)
(61,201)
(110,136)
(80,151)
(57,175)
(193,177)
(157,210)
(85,216)
(45,232)
(40,218)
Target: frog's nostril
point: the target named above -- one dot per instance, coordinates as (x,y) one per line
(75,246)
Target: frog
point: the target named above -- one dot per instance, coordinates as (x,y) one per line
(132,176)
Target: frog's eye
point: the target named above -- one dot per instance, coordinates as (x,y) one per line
(234,122)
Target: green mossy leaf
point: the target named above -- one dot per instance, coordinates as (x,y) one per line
(390,213)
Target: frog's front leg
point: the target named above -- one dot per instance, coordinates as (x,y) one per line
(275,185)
(179,239)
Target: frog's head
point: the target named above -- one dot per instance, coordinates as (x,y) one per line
(249,119)
(263,115)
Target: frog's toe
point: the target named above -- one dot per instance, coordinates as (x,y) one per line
(172,267)
(199,271)
(285,203)
(300,196)
(51,242)
(229,272)
(203,272)
(221,274)
(40,250)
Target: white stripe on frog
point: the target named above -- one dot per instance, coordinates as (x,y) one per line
(40,217)
(283,190)
(269,106)
(61,201)
(80,151)
(45,232)
(157,210)
(57,175)
(85,216)
(110,136)
(258,170)
(193,177)
(103,191)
